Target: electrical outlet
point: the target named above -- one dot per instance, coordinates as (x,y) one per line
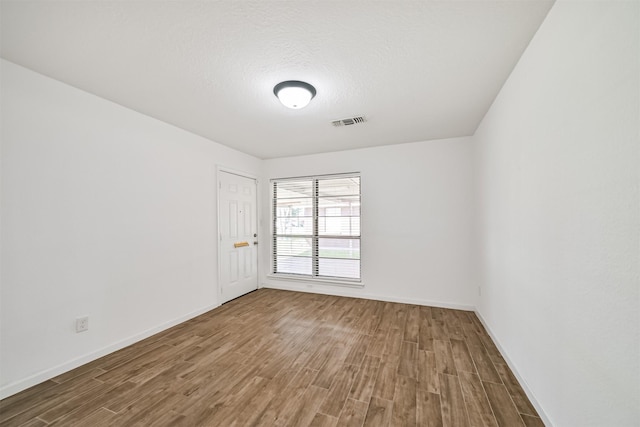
(479,291)
(82,324)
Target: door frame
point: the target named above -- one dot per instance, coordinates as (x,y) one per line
(219,169)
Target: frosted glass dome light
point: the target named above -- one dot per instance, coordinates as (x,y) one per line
(294,94)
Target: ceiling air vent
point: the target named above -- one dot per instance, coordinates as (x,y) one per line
(349,121)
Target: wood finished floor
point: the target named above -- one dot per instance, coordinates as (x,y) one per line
(292,359)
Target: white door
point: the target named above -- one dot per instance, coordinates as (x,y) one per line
(237,219)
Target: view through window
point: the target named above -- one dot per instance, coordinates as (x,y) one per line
(316,227)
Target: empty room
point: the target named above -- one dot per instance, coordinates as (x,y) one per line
(320,213)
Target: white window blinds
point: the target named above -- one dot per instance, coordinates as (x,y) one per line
(316,227)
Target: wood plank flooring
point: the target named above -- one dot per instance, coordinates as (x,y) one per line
(278,358)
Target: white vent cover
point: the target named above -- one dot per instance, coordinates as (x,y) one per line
(349,121)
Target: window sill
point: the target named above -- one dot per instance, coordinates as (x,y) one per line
(323,281)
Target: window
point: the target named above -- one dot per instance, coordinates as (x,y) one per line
(316,227)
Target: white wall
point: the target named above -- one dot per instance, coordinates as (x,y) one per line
(558,226)
(105,213)
(416,220)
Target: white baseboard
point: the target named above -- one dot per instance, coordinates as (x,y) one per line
(357,293)
(512,366)
(47,374)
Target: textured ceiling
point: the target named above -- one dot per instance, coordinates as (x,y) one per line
(418,70)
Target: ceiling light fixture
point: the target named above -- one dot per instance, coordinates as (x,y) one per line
(294,94)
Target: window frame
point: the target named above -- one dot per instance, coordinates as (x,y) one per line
(315,233)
